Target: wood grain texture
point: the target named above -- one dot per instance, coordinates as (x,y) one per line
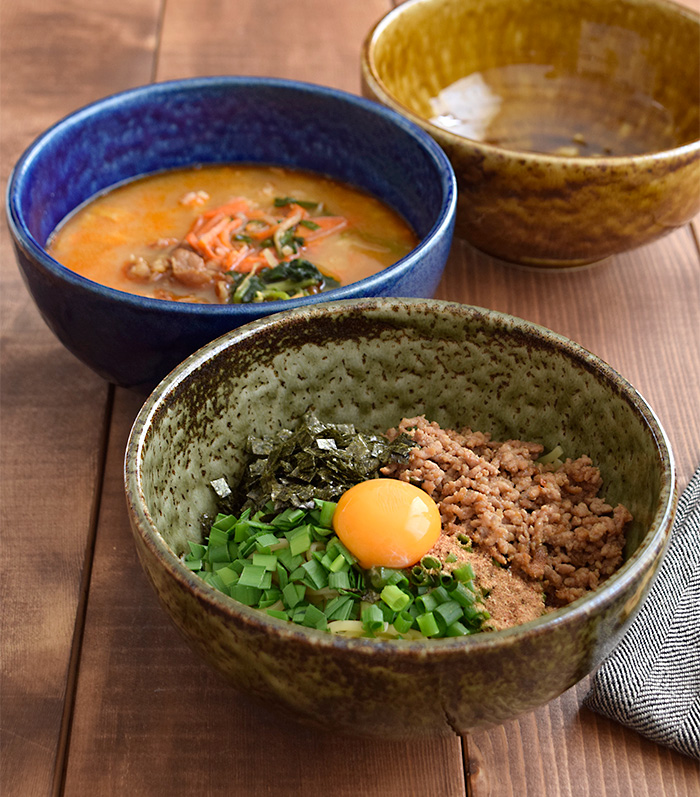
(563,750)
(148,718)
(53,409)
(317,41)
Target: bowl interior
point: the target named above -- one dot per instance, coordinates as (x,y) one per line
(373,362)
(222,120)
(589,77)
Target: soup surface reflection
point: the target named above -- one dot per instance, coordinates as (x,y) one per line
(538,108)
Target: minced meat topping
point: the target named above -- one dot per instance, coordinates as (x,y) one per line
(535,529)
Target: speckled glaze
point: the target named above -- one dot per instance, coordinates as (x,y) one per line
(134,341)
(371,362)
(549,210)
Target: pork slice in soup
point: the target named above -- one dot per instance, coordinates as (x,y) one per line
(231,234)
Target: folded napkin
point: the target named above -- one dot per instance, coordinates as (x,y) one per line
(651,681)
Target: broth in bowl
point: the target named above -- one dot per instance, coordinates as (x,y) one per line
(231,234)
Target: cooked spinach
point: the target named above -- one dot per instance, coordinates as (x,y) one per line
(279,282)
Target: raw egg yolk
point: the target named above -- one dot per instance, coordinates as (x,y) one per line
(387,523)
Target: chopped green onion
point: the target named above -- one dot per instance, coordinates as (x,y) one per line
(265,541)
(403,622)
(224,522)
(399,578)
(456,629)
(299,540)
(266,560)
(440,594)
(289,517)
(340,608)
(339,580)
(335,547)
(427,624)
(241,531)
(372,617)
(462,595)
(450,612)
(197,550)
(338,564)
(293,566)
(293,594)
(218,553)
(314,618)
(282,575)
(253,576)
(327,512)
(427,602)
(395,598)
(284,555)
(298,575)
(247,595)
(317,577)
(418,575)
(228,576)
(464,573)
(217,538)
(553,456)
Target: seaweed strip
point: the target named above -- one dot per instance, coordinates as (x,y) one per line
(316,460)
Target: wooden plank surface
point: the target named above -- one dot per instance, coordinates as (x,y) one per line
(99,693)
(54,411)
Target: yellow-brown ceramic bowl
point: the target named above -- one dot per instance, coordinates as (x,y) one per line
(608,91)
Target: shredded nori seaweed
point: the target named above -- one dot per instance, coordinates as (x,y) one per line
(316,460)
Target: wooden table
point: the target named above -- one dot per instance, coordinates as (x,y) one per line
(100,695)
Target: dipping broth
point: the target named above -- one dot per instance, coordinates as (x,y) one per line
(231,233)
(538,108)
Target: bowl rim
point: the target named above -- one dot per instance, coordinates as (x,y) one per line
(25,240)
(373,80)
(652,544)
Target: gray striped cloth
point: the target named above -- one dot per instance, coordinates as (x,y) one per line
(651,681)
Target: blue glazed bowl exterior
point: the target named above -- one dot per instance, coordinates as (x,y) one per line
(135,341)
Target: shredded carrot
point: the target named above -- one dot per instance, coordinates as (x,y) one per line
(233,207)
(250,263)
(231,236)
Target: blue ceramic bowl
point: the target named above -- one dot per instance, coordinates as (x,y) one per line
(134,341)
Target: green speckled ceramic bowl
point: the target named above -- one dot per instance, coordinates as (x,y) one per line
(372,362)
(615,83)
